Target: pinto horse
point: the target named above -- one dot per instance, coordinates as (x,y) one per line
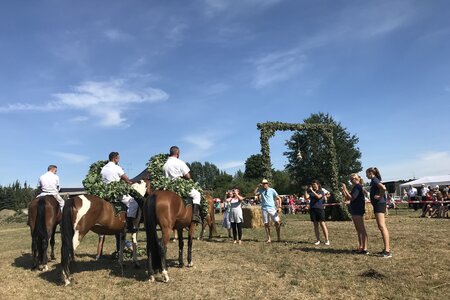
(89,212)
(44,215)
(168,210)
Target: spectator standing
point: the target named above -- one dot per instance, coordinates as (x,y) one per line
(227,209)
(270,207)
(378,200)
(412,196)
(357,210)
(315,195)
(235,216)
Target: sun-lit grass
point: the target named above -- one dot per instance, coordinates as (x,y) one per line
(294,268)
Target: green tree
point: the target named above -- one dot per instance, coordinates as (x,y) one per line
(314,159)
(254,167)
(205,174)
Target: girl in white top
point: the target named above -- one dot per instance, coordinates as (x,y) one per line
(235,216)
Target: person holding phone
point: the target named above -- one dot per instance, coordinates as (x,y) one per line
(316,195)
(235,216)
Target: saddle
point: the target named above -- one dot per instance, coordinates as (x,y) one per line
(118,207)
(188,201)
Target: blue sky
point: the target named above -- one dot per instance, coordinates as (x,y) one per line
(79,80)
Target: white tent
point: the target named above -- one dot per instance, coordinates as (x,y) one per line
(429,180)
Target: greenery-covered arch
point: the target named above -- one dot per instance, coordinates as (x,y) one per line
(267,131)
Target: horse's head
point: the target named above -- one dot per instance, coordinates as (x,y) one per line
(142,187)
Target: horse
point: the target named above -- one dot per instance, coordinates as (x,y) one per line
(44,215)
(168,210)
(209,219)
(88,212)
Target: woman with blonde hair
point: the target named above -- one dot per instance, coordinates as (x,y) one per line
(378,200)
(357,210)
(316,195)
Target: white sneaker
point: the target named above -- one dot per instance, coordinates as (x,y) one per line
(327,243)
(317,243)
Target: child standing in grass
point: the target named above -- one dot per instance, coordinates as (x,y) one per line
(315,195)
(378,200)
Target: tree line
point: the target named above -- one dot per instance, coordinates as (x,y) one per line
(306,156)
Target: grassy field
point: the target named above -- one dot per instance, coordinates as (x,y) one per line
(294,268)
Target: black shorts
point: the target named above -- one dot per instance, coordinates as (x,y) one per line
(379,208)
(357,209)
(317,214)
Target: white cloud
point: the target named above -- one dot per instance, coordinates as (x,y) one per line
(70,157)
(117,35)
(202,142)
(215,89)
(278,66)
(230,164)
(176,33)
(106,101)
(214,7)
(51,106)
(425,164)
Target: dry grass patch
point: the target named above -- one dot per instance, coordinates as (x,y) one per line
(294,268)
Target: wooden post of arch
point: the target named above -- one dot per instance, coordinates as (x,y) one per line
(267,130)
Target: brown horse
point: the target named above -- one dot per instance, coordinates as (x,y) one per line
(168,210)
(209,219)
(89,212)
(44,215)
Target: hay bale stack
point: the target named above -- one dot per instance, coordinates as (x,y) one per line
(369,212)
(252,217)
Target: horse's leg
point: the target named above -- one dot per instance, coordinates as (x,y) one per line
(44,258)
(52,244)
(166,231)
(122,244)
(135,249)
(190,238)
(34,251)
(180,247)
(202,231)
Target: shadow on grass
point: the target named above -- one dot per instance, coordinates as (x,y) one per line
(82,268)
(323,250)
(25,261)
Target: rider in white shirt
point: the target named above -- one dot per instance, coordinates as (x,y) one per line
(176,168)
(112,172)
(49,185)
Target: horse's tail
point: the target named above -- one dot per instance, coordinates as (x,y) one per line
(67,233)
(153,249)
(213,220)
(40,234)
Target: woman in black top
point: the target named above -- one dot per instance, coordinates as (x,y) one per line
(357,210)
(378,200)
(316,211)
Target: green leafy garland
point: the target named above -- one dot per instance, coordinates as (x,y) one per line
(268,130)
(113,191)
(180,186)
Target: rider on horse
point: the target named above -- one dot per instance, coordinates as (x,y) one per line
(112,172)
(176,168)
(49,185)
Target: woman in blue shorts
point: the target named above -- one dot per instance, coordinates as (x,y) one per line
(378,200)
(357,210)
(316,212)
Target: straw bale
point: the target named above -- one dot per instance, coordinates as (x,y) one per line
(252,217)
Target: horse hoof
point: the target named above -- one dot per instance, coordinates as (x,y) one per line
(165,276)
(45,268)
(190,265)
(151,279)
(66,282)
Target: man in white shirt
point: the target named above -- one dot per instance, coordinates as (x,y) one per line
(112,172)
(176,168)
(49,185)
(412,195)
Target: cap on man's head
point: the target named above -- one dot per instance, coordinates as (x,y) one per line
(264,181)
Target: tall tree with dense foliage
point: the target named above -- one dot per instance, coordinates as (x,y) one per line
(254,167)
(313,161)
